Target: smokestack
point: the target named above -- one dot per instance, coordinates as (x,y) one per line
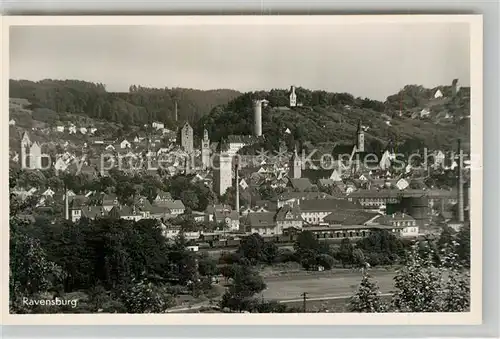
(257,116)
(460,184)
(237,186)
(66,204)
(176,116)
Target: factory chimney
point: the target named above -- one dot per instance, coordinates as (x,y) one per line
(66,203)
(236,169)
(175,109)
(460,184)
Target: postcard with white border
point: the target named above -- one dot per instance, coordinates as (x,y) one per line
(186,170)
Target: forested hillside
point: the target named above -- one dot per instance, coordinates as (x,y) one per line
(138,106)
(333,117)
(323,116)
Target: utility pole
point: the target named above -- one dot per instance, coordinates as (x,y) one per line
(304,301)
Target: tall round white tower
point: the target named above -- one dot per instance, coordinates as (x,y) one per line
(257,116)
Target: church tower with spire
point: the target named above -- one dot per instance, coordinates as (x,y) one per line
(25,150)
(295,166)
(205,150)
(360,141)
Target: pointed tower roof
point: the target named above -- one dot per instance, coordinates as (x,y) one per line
(26,137)
(222,146)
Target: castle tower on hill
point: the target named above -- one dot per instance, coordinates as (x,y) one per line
(205,150)
(293,97)
(295,166)
(223,173)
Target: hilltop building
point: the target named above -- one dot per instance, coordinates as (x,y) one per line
(293,97)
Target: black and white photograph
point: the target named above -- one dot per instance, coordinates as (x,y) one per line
(230,166)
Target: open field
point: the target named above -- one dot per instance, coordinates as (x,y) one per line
(330,284)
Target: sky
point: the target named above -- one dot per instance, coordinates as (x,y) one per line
(367,60)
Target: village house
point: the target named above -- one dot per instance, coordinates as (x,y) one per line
(175,207)
(12,122)
(127,213)
(60,165)
(409,227)
(288,217)
(262,223)
(223,214)
(72,129)
(158,125)
(48,193)
(78,211)
(162,197)
(314,211)
(125,144)
(83,130)
(109,201)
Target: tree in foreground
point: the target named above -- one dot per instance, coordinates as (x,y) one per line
(367,298)
(423,285)
(146,297)
(246,283)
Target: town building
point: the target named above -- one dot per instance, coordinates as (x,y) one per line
(223,171)
(205,150)
(158,125)
(295,166)
(187,138)
(315,211)
(409,227)
(223,214)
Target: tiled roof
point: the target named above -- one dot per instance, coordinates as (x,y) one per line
(92,212)
(398,216)
(301,184)
(283,211)
(316,175)
(269,205)
(244,139)
(261,219)
(175,204)
(349,217)
(325,205)
(304,196)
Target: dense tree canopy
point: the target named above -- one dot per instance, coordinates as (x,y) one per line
(138,106)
